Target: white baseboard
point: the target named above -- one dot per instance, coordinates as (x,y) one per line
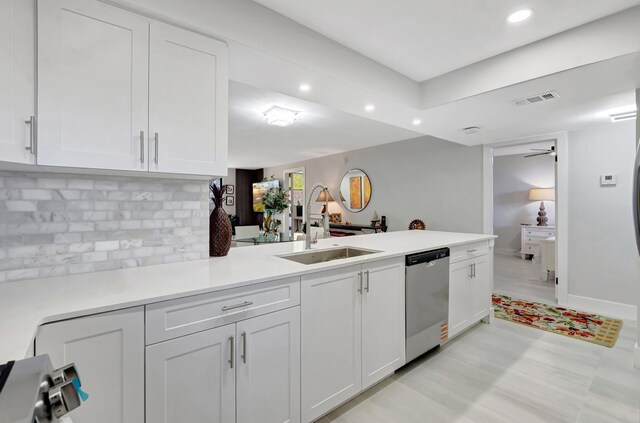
(606,308)
(636,356)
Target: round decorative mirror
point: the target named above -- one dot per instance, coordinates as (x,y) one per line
(355,190)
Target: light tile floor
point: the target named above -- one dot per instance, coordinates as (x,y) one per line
(504,372)
(522,279)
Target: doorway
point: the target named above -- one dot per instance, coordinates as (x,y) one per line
(525,198)
(294,216)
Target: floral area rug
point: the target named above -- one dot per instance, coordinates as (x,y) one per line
(587,327)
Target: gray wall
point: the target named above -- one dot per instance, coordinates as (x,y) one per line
(602,251)
(513,176)
(427,178)
(55,224)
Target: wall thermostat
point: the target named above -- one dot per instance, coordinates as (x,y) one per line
(608,179)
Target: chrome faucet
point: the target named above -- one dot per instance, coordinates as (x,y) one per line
(325,221)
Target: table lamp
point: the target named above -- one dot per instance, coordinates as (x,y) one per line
(542,195)
(322,198)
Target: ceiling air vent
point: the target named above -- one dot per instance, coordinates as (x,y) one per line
(551,95)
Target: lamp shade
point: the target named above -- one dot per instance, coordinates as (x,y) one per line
(542,194)
(322,197)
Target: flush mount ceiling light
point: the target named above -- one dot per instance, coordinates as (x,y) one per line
(305,87)
(416,122)
(520,15)
(370,107)
(279,116)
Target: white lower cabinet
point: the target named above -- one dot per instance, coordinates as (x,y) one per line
(246,372)
(268,370)
(352,332)
(191,379)
(108,350)
(470,287)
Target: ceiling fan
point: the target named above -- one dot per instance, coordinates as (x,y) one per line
(544,151)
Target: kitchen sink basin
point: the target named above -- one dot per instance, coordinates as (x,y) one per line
(321,256)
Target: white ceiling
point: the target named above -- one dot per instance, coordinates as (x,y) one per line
(319,130)
(426,38)
(587,93)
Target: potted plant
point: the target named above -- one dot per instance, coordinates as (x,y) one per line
(275,200)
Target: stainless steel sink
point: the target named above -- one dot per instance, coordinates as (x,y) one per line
(321,256)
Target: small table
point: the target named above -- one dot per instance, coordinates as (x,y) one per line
(257,240)
(361,228)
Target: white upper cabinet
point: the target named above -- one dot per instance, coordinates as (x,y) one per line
(92,85)
(17,76)
(119,91)
(188,91)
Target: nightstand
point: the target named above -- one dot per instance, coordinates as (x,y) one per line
(530,237)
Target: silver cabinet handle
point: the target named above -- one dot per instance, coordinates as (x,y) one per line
(360,282)
(473,250)
(243,335)
(232,353)
(141,146)
(32,135)
(366,287)
(231,307)
(471,271)
(155,137)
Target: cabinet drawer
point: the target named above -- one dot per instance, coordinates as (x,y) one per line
(532,248)
(467,251)
(174,318)
(540,233)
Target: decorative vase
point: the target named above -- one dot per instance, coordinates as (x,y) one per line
(220,230)
(269,224)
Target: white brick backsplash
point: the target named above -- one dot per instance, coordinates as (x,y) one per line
(82,247)
(56,224)
(21,206)
(37,194)
(24,251)
(107,245)
(80,184)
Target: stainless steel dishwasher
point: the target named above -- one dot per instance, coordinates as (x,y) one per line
(427,300)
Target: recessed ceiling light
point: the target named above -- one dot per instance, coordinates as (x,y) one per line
(416,122)
(370,107)
(279,116)
(305,87)
(520,15)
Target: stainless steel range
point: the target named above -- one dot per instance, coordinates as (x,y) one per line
(31,391)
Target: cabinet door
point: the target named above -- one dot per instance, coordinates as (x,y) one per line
(192,379)
(92,85)
(481,289)
(383,320)
(188,96)
(459,296)
(108,350)
(331,340)
(17,73)
(268,375)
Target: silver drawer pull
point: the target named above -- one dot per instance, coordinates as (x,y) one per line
(472,250)
(244,347)
(231,307)
(32,135)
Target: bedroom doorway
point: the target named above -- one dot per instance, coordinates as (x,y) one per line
(523,198)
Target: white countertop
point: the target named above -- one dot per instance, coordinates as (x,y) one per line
(26,304)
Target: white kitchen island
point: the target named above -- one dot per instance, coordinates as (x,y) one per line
(171,320)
